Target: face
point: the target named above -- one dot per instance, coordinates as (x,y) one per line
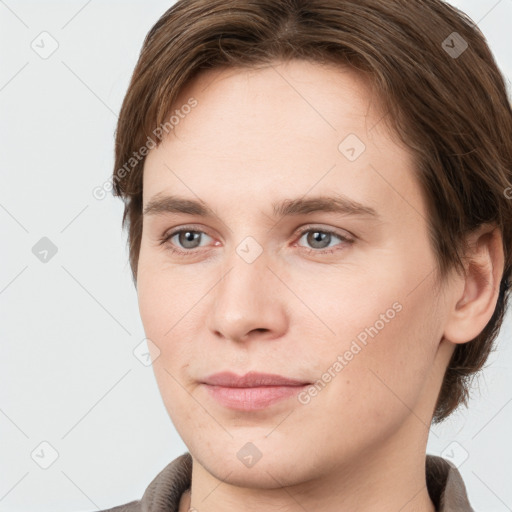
(311,260)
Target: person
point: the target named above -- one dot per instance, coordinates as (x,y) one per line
(317,198)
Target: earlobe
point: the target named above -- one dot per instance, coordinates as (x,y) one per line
(471,311)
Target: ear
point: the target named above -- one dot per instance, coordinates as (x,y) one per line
(471,309)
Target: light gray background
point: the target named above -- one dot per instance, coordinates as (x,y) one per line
(68,327)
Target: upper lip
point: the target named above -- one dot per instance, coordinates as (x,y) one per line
(251,380)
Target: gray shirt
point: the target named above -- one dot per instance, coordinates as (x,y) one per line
(444,483)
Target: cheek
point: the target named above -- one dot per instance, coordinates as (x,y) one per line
(384,380)
(169,313)
(165,297)
(383,346)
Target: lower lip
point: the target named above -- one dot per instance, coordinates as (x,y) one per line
(252,399)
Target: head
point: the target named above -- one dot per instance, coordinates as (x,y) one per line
(256,112)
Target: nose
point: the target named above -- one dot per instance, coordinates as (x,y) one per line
(248,302)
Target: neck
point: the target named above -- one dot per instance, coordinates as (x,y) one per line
(386,479)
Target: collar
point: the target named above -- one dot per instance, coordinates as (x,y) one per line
(444,483)
(445,486)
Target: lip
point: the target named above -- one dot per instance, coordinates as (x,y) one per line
(251,380)
(252,391)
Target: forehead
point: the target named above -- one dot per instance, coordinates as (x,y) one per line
(287,127)
(291,99)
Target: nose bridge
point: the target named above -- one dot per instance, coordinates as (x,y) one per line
(246,268)
(242,302)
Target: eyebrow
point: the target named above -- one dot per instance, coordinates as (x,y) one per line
(339,203)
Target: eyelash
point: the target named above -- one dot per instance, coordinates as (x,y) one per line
(168,236)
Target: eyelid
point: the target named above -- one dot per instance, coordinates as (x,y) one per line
(327,229)
(344,240)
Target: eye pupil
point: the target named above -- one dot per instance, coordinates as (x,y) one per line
(316,237)
(187,237)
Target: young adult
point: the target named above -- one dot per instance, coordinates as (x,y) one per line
(320,237)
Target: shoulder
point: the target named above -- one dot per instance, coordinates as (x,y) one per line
(164,491)
(446,486)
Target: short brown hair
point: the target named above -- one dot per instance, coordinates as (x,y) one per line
(436,77)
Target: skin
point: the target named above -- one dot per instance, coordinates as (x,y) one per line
(262,135)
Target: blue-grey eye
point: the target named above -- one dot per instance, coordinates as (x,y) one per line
(189,239)
(320,239)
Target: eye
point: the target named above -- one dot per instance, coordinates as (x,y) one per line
(187,238)
(320,239)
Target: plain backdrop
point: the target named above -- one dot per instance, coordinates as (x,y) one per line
(74,397)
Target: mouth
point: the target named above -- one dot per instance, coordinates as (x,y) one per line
(253,391)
